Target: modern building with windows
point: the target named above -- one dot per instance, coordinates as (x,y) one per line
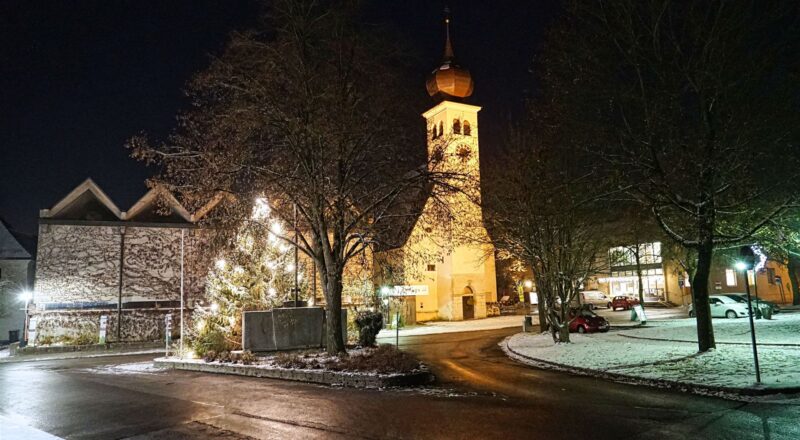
(665,281)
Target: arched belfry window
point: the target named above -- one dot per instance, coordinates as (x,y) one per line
(456,126)
(467,129)
(433,132)
(441,128)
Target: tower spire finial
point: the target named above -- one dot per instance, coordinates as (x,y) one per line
(448,47)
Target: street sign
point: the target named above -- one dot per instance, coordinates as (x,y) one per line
(638,311)
(103,327)
(32,330)
(415,290)
(168,331)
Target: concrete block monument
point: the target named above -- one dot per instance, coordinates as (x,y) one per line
(286,329)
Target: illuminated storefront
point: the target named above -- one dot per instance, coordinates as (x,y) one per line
(623,278)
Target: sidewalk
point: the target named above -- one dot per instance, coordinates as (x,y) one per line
(664,354)
(13,428)
(438,327)
(5,358)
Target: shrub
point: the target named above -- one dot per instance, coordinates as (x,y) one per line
(210,356)
(224,356)
(45,340)
(210,341)
(369,324)
(247,357)
(382,359)
(290,360)
(85,339)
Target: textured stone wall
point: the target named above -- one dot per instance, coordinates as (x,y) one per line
(153,263)
(137,325)
(80,264)
(77,263)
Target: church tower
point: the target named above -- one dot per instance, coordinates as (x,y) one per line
(460,274)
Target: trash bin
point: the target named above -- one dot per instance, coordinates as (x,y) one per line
(527,324)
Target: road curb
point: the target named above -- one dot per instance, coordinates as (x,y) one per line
(732,393)
(334,378)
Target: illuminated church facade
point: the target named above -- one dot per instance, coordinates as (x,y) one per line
(456,277)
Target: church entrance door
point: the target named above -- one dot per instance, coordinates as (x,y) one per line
(468,303)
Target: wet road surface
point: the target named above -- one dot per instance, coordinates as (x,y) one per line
(481,394)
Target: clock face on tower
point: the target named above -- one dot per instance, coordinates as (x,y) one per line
(464,153)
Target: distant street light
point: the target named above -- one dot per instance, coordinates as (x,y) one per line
(745,264)
(528,284)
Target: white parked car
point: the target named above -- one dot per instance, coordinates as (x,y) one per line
(595,299)
(723,307)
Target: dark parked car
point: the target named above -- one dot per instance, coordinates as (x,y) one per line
(623,302)
(586,321)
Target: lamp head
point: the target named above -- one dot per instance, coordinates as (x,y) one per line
(746,257)
(25,296)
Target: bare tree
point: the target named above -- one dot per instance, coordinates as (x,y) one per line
(313,113)
(543,209)
(693,106)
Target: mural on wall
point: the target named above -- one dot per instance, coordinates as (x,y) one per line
(77,263)
(151,271)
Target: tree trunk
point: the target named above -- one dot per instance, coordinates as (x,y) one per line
(333,307)
(542,314)
(794,265)
(639,275)
(702,310)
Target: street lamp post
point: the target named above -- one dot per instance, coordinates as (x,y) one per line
(746,264)
(26,296)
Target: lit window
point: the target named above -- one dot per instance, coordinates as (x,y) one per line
(730,277)
(467,129)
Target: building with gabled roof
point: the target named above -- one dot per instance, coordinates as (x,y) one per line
(96,260)
(17,253)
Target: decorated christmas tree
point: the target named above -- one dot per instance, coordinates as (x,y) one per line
(256,273)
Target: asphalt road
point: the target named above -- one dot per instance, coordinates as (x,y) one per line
(481,394)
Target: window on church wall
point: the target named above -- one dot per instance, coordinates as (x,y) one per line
(467,129)
(456,126)
(441,128)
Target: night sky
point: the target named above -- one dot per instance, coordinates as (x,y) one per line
(78,78)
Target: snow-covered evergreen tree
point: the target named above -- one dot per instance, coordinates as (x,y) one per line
(256,273)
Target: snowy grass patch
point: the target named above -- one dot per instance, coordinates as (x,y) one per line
(665,352)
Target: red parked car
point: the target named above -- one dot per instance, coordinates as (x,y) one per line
(586,321)
(623,302)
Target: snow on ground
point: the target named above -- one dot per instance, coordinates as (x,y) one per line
(784,328)
(125,369)
(472,325)
(16,427)
(4,353)
(676,360)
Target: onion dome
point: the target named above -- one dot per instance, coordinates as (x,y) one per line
(449,80)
